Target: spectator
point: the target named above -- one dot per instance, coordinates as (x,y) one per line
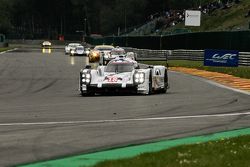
(248,13)
(237,1)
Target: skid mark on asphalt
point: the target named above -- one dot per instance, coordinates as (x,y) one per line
(46,86)
(128,120)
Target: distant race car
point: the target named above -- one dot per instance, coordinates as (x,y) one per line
(71,46)
(46,44)
(99,51)
(115,52)
(123,75)
(79,50)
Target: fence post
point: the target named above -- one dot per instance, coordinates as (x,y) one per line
(161,42)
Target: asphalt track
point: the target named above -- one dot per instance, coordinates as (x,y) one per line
(42,115)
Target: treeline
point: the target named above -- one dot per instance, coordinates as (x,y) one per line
(51,18)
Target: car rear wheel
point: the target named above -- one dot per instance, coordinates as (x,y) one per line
(150,87)
(164,90)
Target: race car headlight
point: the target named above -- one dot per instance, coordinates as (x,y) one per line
(86,78)
(139,78)
(87,81)
(106,56)
(72,52)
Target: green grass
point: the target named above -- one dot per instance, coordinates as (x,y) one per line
(242,72)
(232,152)
(4,49)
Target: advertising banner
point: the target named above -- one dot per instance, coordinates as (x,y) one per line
(225,58)
(192,18)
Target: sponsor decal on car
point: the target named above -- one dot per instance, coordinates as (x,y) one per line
(112,79)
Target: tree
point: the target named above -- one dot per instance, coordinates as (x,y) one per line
(5,23)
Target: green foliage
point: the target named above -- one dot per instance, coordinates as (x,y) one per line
(225,152)
(187,4)
(5,23)
(5,49)
(54,16)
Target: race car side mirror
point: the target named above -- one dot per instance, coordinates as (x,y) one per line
(88,66)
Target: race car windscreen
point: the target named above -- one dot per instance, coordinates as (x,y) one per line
(119,67)
(117,52)
(104,49)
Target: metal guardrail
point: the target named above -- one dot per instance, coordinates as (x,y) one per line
(192,55)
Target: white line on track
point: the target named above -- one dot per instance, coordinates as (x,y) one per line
(9,51)
(127,120)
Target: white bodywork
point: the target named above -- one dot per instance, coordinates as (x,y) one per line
(137,80)
(46,44)
(116,52)
(79,50)
(70,47)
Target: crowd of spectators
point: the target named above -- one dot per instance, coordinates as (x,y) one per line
(160,21)
(170,18)
(248,13)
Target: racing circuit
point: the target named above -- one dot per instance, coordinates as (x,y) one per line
(43,116)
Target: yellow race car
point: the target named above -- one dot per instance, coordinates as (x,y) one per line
(98,51)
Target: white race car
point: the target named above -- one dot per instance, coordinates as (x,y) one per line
(123,75)
(46,44)
(115,52)
(79,50)
(70,47)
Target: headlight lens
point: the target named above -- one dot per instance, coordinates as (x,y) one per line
(86,78)
(139,77)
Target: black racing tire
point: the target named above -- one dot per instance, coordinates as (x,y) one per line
(164,90)
(150,83)
(84,94)
(88,93)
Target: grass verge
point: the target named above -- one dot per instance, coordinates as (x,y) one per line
(5,49)
(232,152)
(242,72)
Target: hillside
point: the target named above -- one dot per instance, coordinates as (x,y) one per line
(229,19)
